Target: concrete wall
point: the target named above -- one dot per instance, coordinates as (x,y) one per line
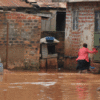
(85,32)
(24,37)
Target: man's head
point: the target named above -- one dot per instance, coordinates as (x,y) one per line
(85,45)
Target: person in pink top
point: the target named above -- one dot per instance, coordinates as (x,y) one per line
(83,59)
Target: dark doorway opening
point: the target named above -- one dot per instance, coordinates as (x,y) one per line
(51,49)
(60,21)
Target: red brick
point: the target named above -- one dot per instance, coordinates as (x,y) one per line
(28,17)
(27,30)
(33,17)
(39,26)
(43,63)
(39,18)
(76,42)
(9,17)
(68,14)
(14,17)
(52,63)
(67,17)
(24,17)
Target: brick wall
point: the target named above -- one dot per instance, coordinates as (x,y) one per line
(24,37)
(59,48)
(85,32)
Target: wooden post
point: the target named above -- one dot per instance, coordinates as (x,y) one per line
(46,65)
(7,46)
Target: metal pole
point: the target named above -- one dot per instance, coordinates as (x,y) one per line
(7,47)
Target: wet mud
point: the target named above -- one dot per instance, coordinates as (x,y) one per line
(49,86)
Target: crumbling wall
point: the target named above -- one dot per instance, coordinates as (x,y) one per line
(24,35)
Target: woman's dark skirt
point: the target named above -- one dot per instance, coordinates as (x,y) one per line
(83,64)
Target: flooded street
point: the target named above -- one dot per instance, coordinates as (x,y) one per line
(49,86)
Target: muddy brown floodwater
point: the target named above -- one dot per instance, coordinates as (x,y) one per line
(49,86)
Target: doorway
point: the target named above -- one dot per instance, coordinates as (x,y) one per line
(60,21)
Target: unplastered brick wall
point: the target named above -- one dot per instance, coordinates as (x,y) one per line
(85,33)
(24,35)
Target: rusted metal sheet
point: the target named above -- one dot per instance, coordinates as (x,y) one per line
(39,0)
(82,0)
(14,3)
(59,0)
(32,0)
(51,5)
(48,3)
(54,5)
(74,0)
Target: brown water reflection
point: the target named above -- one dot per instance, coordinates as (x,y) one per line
(49,86)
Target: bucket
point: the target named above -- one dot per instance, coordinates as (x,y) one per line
(1,68)
(92,67)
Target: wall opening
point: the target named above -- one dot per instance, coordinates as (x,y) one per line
(60,21)
(51,49)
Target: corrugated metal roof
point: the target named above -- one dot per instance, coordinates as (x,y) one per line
(82,0)
(52,5)
(39,0)
(14,3)
(32,0)
(48,3)
(75,0)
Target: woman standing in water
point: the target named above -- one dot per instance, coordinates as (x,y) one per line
(83,59)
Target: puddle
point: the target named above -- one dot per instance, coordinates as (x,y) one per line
(20,87)
(4,89)
(36,83)
(49,86)
(45,74)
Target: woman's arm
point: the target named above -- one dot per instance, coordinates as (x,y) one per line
(94,51)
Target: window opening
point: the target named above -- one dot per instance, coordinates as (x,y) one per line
(97,21)
(51,49)
(75,20)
